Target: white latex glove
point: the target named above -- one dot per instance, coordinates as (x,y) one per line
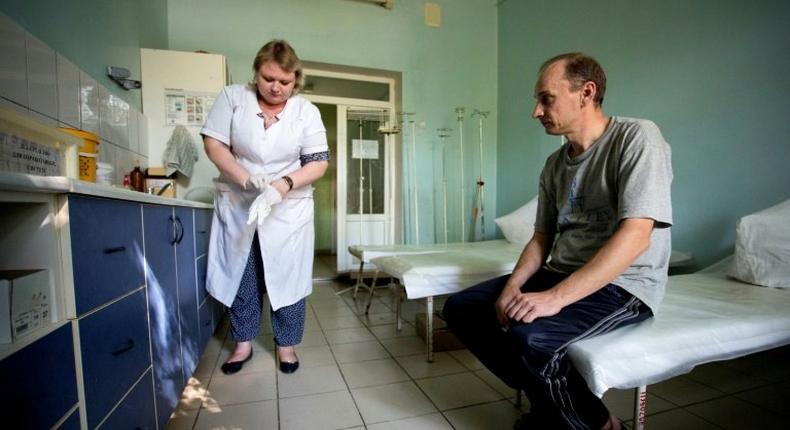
(262,205)
(258,181)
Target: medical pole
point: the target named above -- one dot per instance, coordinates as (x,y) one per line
(459,111)
(479,209)
(443,133)
(415,188)
(361,183)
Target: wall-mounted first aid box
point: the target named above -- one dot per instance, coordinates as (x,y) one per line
(24,303)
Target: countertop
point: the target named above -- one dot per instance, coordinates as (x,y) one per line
(20,182)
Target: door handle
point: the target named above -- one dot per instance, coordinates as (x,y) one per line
(180,229)
(126,348)
(114,249)
(172,221)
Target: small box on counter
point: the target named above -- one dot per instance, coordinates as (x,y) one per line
(443,338)
(157,172)
(158,184)
(24,302)
(165,187)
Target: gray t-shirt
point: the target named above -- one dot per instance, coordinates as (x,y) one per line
(626,173)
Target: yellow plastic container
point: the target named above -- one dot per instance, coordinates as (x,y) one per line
(88,167)
(89,150)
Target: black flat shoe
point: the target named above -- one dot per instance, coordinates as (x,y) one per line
(235,366)
(289,367)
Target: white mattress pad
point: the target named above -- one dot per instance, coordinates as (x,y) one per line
(455,267)
(704,317)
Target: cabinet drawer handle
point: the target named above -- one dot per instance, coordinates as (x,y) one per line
(203,231)
(207,323)
(126,348)
(180,229)
(114,250)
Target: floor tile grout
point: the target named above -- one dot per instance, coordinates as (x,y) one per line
(381,299)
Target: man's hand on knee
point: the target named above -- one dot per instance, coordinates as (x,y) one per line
(527,307)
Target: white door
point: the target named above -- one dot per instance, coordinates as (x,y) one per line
(367,157)
(365,170)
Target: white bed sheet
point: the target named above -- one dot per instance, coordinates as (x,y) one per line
(366,253)
(704,317)
(455,267)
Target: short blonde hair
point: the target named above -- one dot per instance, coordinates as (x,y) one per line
(285,56)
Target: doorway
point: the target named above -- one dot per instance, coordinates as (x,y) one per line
(358,200)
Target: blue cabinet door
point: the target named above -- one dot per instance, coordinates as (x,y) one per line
(187,291)
(115,351)
(161,236)
(202,265)
(136,411)
(39,382)
(202,230)
(72,422)
(106,249)
(206,322)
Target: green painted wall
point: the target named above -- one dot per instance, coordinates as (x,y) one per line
(442,68)
(94,34)
(713,74)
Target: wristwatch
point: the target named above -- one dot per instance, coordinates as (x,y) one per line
(289,181)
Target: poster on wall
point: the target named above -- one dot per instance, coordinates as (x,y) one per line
(364,148)
(187,108)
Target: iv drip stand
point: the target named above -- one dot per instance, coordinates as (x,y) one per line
(360,282)
(443,133)
(415,188)
(478,209)
(459,111)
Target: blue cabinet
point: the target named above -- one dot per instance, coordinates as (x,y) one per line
(206,322)
(136,410)
(187,291)
(106,249)
(39,382)
(140,321)
(161,238)
(72,422)
(202,230)
(114,344)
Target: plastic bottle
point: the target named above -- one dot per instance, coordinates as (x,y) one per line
(137,178)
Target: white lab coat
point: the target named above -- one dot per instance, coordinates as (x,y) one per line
(286,236)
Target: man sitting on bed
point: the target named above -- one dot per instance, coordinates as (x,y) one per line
(598,258)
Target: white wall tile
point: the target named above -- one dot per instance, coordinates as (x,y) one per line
(105,114)
(142,122)
(68,92)
(13,67)
(8,104)
(42,77)
(134,131)
(120,121)
(42,118)
(89,104)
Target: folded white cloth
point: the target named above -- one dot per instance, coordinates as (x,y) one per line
(262,205)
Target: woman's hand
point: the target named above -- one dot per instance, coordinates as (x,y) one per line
(281,186)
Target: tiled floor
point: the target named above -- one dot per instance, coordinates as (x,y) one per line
(358,372)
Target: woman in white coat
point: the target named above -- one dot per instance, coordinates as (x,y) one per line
(269,145)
